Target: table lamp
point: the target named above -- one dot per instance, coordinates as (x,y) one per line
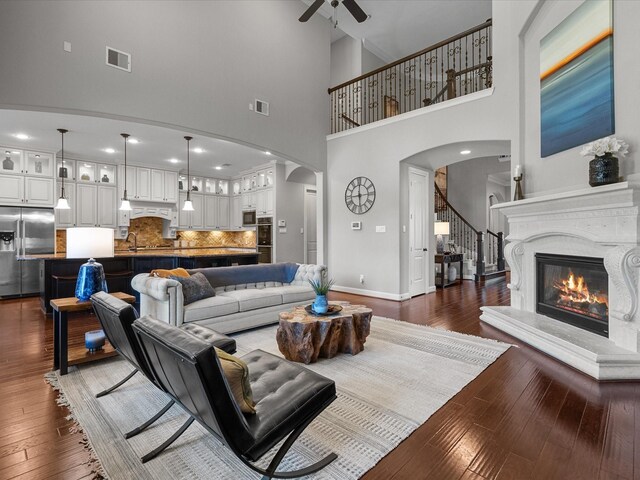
(440,229)
(90,242)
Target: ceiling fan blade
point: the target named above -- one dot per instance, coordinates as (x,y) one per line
(355,10)
(311,10)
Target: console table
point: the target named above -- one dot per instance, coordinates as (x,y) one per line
(443,260)
(61,307)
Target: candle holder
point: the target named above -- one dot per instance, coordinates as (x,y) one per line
(518,195)
(94,340)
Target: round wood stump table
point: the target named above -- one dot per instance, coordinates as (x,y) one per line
(304,337)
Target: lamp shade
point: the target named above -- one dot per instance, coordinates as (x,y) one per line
(441,228)
(89,242)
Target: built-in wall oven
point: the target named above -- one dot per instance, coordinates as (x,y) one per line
(265,240)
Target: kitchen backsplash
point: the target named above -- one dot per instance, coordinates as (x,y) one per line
(149,232)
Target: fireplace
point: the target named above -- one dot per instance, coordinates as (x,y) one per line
(574,290)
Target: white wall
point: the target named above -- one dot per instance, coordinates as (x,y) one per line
(289,207)
(196,66)
(346,60)
(568,170)
(467,187)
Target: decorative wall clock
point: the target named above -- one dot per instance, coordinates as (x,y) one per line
(360,195)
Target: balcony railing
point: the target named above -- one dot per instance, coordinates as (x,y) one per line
(454,67)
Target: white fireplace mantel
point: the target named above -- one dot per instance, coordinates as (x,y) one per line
(601,222)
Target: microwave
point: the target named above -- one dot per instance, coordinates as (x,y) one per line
(249,218)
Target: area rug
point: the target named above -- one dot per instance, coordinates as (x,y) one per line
(404,375)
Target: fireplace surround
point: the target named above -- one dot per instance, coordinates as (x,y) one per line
(595,223)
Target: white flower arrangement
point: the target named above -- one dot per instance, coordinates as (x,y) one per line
(605,145)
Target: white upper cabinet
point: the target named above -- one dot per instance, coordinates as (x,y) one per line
(223,212)
(38,164)
(143,183)
(157,186)
(235,221)
(107,213)
(39,191)
(11,190)
(11,161)
(170,187)
(87,205)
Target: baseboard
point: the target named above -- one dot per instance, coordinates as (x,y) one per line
(372,293)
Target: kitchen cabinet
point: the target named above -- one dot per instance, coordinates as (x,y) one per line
(235,222)
(66,218)
(216,211)
(236,186)
(138,183)
(265,178)
(20,190)
(38,163)
(264,202)
(68,170)
(194,219)
(249,200)
(164,186)
(107,213)
(12,161)
(96,206)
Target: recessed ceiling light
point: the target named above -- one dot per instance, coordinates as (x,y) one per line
(174,160)
(109,150)
(15,152)
(21,136)
(218,167)
(267,152)
(465,152)
(133,140)
(198,150)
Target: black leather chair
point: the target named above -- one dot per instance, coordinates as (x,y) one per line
(288,396)
(116,318)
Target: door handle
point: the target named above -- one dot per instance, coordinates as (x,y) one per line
(425,249)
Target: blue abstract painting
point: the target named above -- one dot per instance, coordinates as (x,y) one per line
(576,79)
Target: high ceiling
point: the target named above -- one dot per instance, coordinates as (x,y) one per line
(398,28)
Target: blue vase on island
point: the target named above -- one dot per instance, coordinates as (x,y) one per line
(320,305)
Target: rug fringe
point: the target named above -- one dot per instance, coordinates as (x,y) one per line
(94,462)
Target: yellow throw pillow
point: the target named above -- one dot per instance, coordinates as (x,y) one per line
(237,374)
(176,272)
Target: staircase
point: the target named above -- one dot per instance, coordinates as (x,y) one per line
(484,261)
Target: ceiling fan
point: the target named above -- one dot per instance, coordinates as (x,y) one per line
(350,5)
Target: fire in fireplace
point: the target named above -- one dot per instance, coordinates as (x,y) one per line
(574,290)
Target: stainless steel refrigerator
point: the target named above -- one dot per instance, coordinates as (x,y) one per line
(23,231)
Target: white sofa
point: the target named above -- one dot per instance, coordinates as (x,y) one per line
(247,296)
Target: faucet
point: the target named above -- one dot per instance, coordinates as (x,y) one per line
(135,241)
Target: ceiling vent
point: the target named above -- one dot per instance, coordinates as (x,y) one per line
(262,107)
(118,59)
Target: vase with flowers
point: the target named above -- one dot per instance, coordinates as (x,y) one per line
(321,287)
(604,168)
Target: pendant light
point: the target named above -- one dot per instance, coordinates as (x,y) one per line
(62,203)
(188,205)
(125,205)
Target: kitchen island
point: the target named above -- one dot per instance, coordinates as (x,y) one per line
(58,273)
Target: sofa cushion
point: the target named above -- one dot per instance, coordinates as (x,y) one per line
(253,298)
(295,293)
(210,308)
(237,375)
(194,288)
(249,274)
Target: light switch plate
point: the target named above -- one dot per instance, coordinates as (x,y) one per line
(67,46)
(381,228)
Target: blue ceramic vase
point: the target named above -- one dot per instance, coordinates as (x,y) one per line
(91,279)
(321,305)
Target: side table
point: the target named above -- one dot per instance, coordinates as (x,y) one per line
(443,260)
(61,307)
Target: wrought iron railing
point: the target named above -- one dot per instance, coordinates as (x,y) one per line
(454,67)
(467,239)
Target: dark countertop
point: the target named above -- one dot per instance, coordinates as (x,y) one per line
(161,252)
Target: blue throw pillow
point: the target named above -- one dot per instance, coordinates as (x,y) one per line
(195,287)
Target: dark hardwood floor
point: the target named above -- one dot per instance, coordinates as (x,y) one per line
(526,416)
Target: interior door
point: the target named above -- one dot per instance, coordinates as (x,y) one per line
(418,232)
(310,227)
